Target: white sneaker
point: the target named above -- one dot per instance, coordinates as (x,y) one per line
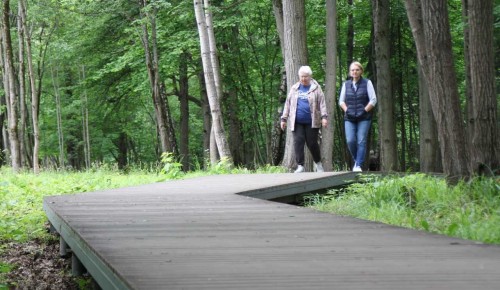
(357,169)
(299,169)
(319,167)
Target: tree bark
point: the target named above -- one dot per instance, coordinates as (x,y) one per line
(484,129)
(152,59)
(430,155)
(277,135)
(294,20)
(22,85)
(35,96)
(386,122)
(184,111)
(435,55)
(10,90)
(85,123)
(60,133)
(208,69)
(330,82)
(350,34)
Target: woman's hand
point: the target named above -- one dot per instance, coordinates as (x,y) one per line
(324,122)
(283,125)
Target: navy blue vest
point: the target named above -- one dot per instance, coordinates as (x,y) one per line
(356,100)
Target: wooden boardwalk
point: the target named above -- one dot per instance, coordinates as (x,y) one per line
(216,232)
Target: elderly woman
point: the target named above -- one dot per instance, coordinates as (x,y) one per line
(357,99)
(305,110)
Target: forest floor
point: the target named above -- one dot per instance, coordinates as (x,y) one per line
(37,265)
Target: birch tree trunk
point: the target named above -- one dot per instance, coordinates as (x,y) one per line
(483,122)
(435,55)
(386,102)
(208,69)
(10,90)
(330,80)
(294,42)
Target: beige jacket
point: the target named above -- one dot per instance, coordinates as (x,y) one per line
(316,103)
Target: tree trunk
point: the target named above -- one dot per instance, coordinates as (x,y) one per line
(35,96)
(484,129)
(10,90)
(22,86)
(430,155)
(184,111)
(208,68)
(208,153)
(386,122)
(3,138)
(436,58)
(60,132)
(294,20)
(277,138)
(350,34)
(330,82)
(152,58)
(85,123)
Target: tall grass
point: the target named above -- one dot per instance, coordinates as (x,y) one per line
(21,195)
(468,210)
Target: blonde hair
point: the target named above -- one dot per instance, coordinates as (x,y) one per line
(358,64)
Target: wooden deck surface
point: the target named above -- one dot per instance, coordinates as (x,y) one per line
(205,233)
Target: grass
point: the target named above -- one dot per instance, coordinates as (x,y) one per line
(21,195)
(468,210)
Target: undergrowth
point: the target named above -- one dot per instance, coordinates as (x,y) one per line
(468,210)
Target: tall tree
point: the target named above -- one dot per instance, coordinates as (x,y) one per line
(10,89)
(436,56)
(150,46)
(85,121)
(294,42)
(60,132)
(330,82)
(484,129)
(35,96)
(208,69)
(386,122)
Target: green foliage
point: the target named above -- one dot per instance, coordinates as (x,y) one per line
(469,210)
(21,214)
(171,167)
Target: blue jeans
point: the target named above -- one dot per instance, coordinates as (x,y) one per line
(356,133)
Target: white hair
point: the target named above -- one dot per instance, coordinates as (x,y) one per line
(305,70)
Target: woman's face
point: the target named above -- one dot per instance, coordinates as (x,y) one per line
(355,71)
(305,79)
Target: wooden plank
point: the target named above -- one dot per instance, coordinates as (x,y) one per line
(199,234)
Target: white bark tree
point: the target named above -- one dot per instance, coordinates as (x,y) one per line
(209,73)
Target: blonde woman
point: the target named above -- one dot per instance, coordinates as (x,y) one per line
(357,99)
